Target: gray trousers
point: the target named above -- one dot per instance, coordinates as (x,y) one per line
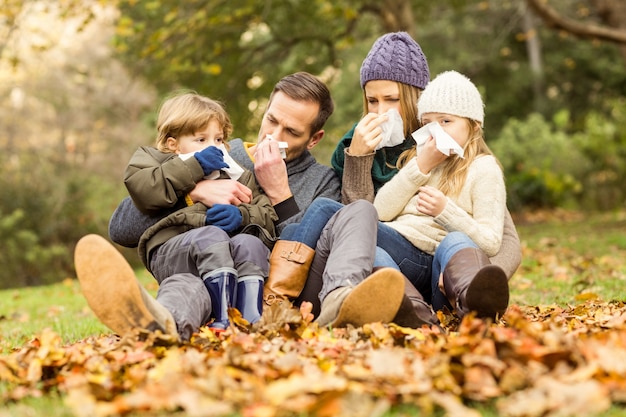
(181,264)
(344,255)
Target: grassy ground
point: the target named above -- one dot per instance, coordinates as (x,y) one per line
(568,257)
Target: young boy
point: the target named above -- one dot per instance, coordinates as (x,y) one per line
(222,245)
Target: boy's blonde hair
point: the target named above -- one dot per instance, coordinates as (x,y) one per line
(186,114)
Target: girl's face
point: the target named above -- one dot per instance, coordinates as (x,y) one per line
(457,127)
(382,95)
(212,135)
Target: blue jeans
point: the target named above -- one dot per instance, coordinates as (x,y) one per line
(415,264)
(451,244)
(309,230)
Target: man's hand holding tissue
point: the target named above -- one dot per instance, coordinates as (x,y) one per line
(367,134)
(211,159)
(271,172)
(431,201)
(226,217)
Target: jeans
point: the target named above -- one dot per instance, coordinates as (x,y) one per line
(451,244)
(415,264)
(316,217)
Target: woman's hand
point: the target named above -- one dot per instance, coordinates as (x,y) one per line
(367,134)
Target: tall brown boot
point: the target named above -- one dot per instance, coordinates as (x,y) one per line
(472,283)
(414,311)
(289,268)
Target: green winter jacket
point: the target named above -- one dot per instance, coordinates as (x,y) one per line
(158,181)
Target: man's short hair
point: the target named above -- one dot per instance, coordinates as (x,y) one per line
(303,86)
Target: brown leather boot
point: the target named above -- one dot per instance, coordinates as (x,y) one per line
(414,311)
(472,283)
(289,268)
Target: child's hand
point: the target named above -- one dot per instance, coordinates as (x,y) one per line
(431,201)
(429,156)
(226,217)
(211,159)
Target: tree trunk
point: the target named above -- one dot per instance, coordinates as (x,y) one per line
(533,49)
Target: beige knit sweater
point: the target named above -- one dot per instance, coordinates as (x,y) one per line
(478,210)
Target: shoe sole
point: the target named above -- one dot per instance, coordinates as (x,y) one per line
(110,287)
(376,299)
(488,294)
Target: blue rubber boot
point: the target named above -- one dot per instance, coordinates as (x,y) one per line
(222,288)
(249,299)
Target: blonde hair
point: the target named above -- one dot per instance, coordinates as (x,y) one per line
(454,169)
(187,113)
(408,96)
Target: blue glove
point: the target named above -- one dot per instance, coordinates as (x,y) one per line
(211,159)
(225,216)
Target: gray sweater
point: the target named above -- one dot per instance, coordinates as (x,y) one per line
(308,180)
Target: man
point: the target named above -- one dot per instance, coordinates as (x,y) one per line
(297,110)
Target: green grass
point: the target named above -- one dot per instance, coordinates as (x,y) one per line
(61,307)
(566,258)
(570,257)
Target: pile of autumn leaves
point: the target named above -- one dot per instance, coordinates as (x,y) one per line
(535,361)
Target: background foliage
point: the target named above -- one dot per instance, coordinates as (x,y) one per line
(80,82)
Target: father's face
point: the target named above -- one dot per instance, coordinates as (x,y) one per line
(288,120)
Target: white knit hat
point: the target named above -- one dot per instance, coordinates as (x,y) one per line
(452,93)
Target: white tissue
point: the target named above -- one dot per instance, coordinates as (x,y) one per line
(393,130)
(445,143)
(281,146)
(234,171)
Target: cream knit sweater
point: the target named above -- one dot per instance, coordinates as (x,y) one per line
(478,210)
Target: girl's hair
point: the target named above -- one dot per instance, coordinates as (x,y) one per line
(186,114)
(454,169)
(408,96)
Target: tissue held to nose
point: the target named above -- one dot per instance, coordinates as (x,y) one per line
(281,146)
(445,144)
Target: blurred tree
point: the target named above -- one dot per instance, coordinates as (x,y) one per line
(14,24)
(610,12)
(236,50)
(70,117)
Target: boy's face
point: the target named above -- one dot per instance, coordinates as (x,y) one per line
(288,120)
(212,135)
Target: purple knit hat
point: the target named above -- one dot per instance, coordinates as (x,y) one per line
(396,57)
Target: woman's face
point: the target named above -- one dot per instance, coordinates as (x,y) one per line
(382,95)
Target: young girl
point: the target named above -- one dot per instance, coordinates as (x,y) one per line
(218,245)
(444,210)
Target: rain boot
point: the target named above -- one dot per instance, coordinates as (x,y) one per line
(222,286)
(289,268)
(414,311)
(472,283)
(249,300)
